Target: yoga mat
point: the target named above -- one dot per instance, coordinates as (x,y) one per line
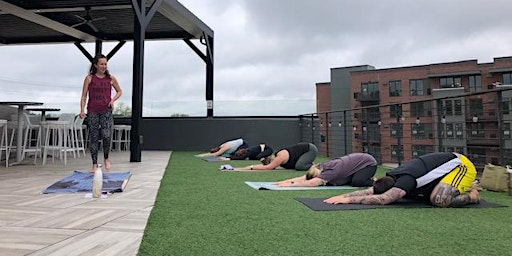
(259,185)
(317,204)
(215,159)
(82,182)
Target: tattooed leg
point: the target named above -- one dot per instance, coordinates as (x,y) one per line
(445,195)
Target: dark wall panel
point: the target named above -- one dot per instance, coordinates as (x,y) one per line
(202,134)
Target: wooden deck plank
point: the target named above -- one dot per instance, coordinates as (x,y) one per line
(32,223)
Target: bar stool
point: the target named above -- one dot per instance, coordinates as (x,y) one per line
(56,139)
(121,136)
(78,133)
(4,141)
(31,138)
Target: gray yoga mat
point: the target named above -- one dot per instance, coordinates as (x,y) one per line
(262,185)
(317,204)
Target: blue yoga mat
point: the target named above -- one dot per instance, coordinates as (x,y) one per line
(259,185)
(79,182)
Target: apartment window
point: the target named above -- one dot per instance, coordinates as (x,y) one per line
(397,152)
(454,149)
(396,131)
(395,110)
(507,78)
(395,88)
(416,87)
(506,131)
(448,108)
(419,150)
(370,90)
(450,82)
(459,128)
(505,106)
(421,131)
(421,109)
(449,131)
(475,83)
(476,106)
(477,130)
(457,107)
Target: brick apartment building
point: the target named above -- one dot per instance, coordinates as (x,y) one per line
(399,113)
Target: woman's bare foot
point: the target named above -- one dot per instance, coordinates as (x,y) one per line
(108,166)
(94,168)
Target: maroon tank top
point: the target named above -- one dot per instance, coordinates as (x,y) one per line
(100,94)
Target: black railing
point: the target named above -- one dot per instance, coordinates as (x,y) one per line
(395,133)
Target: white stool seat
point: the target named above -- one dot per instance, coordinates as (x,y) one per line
(121,137)
(57,139)
(4,147)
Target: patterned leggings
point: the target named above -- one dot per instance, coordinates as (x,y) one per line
(97,123)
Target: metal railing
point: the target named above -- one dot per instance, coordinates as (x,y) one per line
(478,125)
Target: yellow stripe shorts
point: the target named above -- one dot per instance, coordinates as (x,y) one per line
(462,176)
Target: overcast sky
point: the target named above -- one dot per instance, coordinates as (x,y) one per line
(271,51)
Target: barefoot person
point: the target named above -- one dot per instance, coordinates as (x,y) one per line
(356,169)
(98,85)
(444,179)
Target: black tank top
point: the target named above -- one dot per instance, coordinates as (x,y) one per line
(295,152)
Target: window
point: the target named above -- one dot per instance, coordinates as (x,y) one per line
(397,153)
(421,109)
(396,130)
(457,105)
(421,131)
(448,108)
(476,106)
(506,131)
(416,87)
(505,106)
(419,150)
(475,83)
(449,131)
(395,110)
(450,82)
(395,88)
(507,78)
(458,131)
(370,91)
(476,130)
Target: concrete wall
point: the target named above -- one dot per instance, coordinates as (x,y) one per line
(184,134)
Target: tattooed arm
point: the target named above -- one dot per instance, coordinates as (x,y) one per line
(387,197)
(444,195)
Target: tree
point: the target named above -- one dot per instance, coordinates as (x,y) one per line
(122,110)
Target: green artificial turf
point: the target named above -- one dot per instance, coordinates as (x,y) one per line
(201,210)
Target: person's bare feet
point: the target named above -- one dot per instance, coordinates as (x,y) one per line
(474,196)
(108,165)
(94,168)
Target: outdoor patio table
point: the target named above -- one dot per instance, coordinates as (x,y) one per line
(21,105)
(43,111)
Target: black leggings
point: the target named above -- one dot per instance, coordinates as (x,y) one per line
(100,122)
(363,177)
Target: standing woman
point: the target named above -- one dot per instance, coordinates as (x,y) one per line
(97,87)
